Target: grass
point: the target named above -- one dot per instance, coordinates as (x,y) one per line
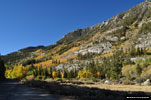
(120,87)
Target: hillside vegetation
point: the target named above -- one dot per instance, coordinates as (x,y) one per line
(117,49)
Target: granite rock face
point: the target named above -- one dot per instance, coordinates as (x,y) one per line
(99,48)
(68,66)
(144,41)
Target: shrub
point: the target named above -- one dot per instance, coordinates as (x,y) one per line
(146,73)
(84,74)
(129,71)
(139,80)
(126,82)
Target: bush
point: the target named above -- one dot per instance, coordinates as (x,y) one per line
(145,28)
(126,82)
(139,80)
(146,73)
(129,71)
(84,74)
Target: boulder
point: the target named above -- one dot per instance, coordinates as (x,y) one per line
(123,38)
(147,82)
(107,82)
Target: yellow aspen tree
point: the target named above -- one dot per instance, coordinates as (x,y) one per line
(54,74)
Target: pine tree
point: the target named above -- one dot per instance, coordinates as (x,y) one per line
(138,69)
(138,51)
(50,72)
(59,74)
(2,70)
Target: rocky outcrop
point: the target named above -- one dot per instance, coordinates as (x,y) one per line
(138,58)
(67,66)
(144,41)
(112,38)
(99,48)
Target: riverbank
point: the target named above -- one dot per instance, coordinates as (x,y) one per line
(88,91)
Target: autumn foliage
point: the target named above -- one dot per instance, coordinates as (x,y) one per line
(84,74)
(18,72)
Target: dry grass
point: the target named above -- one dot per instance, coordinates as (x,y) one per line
(45,64)
(121,87)
(70,51)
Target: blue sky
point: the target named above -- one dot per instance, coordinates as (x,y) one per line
(26,23)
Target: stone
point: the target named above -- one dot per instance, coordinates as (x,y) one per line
(107,82)
(147,82)
(123,38)
(137,58)
(112,38)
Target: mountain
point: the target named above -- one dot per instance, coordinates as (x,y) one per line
(123,31)
(21,54)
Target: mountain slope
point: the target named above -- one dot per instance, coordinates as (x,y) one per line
(127,29)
